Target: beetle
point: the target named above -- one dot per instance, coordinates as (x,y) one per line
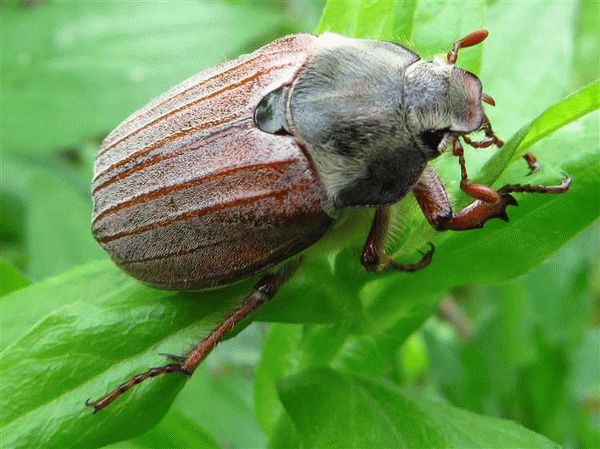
(236,171)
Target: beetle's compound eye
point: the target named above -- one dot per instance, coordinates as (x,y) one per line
(433,137)
(269,115)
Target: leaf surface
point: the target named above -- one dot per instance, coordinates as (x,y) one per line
(104,60)
(83,341)
(333,410)
(59,230)
(10,278)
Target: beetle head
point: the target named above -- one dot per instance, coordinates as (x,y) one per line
(441,100)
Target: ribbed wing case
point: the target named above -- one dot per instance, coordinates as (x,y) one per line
(188,193)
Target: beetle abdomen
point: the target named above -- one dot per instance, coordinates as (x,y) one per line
(188,193)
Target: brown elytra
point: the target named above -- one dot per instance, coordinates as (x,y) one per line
(188,193)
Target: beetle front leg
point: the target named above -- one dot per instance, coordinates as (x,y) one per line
(477,191)
(433,200)
(491,138)
(263,291)
(374,257)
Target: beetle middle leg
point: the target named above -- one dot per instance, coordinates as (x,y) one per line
(263,291)
(374,257)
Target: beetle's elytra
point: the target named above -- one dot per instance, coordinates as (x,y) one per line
(243,166)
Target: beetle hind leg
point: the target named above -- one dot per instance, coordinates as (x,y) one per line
(374,257)
(264,290)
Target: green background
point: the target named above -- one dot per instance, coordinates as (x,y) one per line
(496,344)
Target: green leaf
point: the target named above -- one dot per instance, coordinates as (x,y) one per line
(526,66)
(558,115)
(215,404)
(428,27)
(587,50)
(58,228)
(287,349)
(279,357)
(85,340)
(11,212)
(304,300)
(219,397)
(103,60)
(439,24)
(362,18)
(174,431)
(570,109)
(11,279)
(45,206)
(285,435)
(585,383)
(334,410)
(525,338)
(23,309)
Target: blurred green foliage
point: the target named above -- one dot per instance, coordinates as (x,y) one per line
(364,360)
